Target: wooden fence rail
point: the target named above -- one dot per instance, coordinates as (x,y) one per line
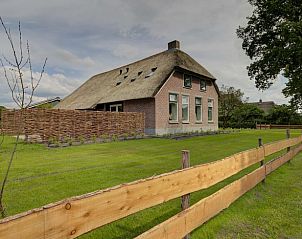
(190,219)
(75,216)
(277,126)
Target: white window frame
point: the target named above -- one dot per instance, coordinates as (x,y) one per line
(211,99)
(116,107)
(177,103)
(184,76)
(188,96)
(201,109)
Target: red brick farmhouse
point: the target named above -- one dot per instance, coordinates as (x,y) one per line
(174,91)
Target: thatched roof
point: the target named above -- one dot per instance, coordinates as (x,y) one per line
(44,102)
(141,79)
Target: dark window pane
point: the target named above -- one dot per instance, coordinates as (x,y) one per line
(203,85)
(187,81)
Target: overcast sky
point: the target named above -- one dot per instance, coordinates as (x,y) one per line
(83,38)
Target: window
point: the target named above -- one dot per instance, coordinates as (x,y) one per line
(210,110)
(198,109)
(185,108)
(187,81)
(173,107)
(151,72)
(203,85)
(116,108)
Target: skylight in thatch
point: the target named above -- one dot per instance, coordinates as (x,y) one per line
(151,72)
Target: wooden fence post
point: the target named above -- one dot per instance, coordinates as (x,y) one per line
(260,144)
(288,136)
(185,200)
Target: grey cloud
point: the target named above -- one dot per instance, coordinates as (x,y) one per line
(83,38)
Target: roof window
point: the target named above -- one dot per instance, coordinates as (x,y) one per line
(125,77)
(118,83)
(132,79)
(121,71)
(127,69)
(151,72)
(139,73)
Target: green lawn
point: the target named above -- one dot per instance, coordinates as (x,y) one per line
(40,176)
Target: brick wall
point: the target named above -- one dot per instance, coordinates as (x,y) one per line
(62,124)
(175,85)
(146,106)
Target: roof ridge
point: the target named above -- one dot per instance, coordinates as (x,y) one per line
(135,62)
(102,87)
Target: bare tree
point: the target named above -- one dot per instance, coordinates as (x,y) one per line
(22,83)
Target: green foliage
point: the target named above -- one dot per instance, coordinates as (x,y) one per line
(45,106)
(273,40)
(125,136)
(246,116)
(283,114)
(114,137)
(82,139)
(53,141)
(70,141)
(230,99)
(104,137)
(94,138)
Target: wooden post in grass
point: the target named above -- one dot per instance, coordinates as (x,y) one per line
(185,200)
(260,144)
(288,136)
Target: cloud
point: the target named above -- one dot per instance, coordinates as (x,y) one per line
(74,60)
(83,38)
(125,50)
(50,86)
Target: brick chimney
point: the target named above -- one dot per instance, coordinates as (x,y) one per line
(174,45)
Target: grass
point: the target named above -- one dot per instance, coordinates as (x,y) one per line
(40,176)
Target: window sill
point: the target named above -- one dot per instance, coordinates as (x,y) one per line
(186,122)
(203,90)
(198,122)
(211,122)
(187,87)
(173,122)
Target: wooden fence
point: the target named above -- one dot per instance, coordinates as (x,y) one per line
(62,125)
(75,216)
(277,126)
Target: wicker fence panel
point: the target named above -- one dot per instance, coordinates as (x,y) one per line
(71,124)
